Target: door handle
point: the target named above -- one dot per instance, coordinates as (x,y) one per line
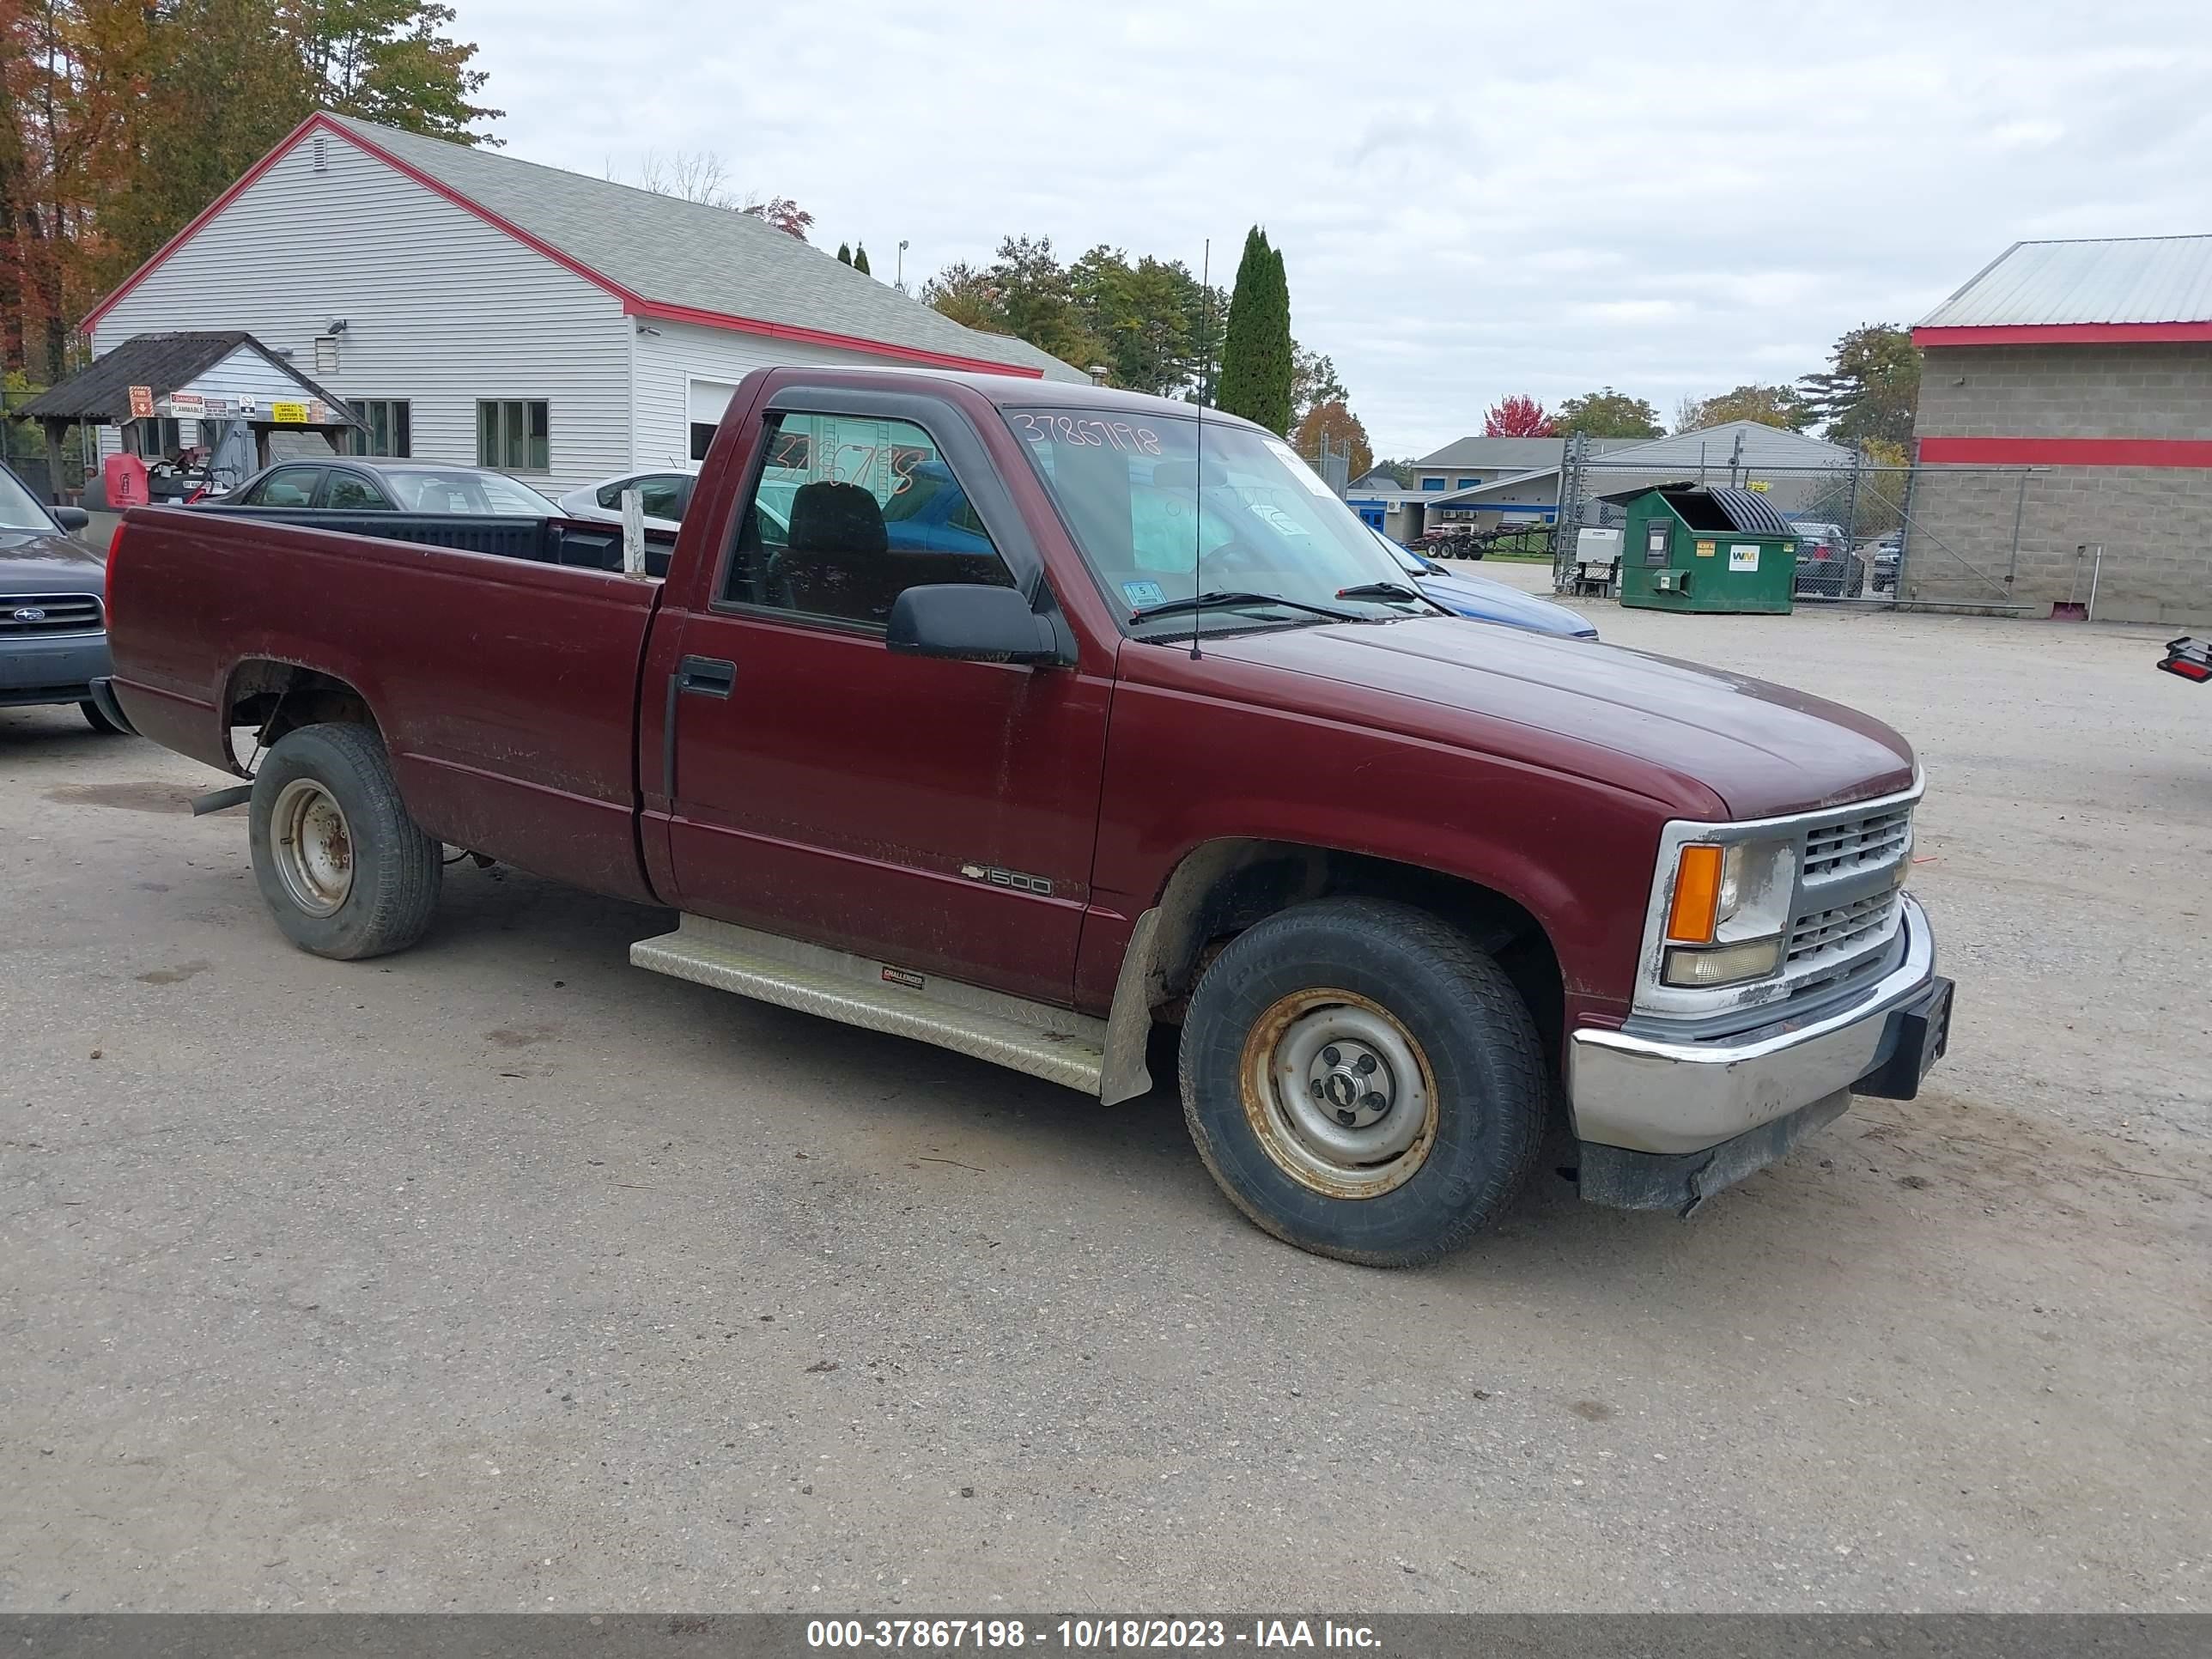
(705,676)
(708,677)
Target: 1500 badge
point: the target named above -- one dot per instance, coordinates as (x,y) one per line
(991,876)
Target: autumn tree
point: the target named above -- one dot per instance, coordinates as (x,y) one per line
(1768,405)
(123,119)
(1607,414)
(1516,415)
(1870,388)
(786,215)
(1331,421)
(1313,381)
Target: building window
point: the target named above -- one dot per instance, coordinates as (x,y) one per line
(1432,483)
(391,429)
(702,436)
(511,435)
(1466,483)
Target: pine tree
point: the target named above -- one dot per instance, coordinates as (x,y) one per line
(1257,367)
(860,259)
(844,253)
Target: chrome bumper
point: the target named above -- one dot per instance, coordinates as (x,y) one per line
(1654,1095)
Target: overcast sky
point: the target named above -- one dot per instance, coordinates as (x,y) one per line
(1471,199)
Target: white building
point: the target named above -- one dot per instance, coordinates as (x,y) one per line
(476,307)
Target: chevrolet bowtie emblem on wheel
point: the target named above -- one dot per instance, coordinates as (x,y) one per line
(29,613)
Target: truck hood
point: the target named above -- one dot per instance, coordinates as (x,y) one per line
(1673,730)
(47,561)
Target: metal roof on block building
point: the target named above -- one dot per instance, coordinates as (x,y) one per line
(2114,289)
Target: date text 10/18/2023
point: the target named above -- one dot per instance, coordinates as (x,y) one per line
(1089,1635)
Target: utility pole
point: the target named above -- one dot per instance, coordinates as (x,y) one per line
(898,281)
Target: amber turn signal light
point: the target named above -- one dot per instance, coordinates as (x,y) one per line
(1695,911)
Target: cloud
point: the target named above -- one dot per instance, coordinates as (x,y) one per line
(1670,200)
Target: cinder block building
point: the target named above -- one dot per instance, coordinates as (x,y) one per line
(2089,362)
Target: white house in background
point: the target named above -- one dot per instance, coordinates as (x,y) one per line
(476,307)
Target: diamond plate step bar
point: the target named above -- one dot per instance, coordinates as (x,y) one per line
(1032,1037)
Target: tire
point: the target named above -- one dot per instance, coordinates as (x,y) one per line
(342,868)
(1366,979)
(100,722)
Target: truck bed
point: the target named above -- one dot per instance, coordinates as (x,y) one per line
(503,675)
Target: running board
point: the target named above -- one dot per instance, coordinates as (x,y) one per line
(1033,1037)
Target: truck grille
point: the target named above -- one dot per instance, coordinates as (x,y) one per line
(1832,849)
(1848,928)
(30,614)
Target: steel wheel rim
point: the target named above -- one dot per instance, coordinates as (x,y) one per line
(1339,1093)
(311,845)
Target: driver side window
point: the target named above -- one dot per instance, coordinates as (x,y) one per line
(851,511)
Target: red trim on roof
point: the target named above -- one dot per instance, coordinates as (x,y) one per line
(670,313)
(635,304)
(2068,452)
(2065,334)
(92,318)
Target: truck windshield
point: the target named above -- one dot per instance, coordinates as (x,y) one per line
(1155,529)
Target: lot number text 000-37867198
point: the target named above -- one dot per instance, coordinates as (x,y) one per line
(1085,1635)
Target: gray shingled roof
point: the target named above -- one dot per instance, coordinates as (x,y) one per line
(682,254)
(162,363)
(2133,279)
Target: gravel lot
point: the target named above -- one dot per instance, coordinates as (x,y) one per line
(500,1275)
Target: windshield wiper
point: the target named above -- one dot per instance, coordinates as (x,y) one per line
(1224,600)
(1384,590)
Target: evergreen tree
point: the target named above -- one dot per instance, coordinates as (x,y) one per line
(1258,365)
(844,253)
(860,259)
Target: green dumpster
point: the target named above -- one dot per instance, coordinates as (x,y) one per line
(1705,548)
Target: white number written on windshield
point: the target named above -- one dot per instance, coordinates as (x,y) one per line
(1097,435)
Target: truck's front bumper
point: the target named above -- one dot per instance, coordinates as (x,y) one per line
(1664,1123)
(50,668)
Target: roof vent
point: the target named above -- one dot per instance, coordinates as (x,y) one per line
(322,159)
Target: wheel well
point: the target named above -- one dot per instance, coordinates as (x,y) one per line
(276,697)
(1225,886)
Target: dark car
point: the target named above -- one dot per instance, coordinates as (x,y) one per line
(53,622)
(1482,599)
(1827,567)
(348,485)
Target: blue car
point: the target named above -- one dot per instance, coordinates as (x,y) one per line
(1486,600)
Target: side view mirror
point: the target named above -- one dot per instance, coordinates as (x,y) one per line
(971,622)
(71,518)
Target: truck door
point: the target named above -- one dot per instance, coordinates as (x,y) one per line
(937,814)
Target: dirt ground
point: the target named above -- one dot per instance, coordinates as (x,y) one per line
(500,1275)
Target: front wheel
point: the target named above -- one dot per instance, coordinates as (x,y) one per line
(344,869)
(1362,1081)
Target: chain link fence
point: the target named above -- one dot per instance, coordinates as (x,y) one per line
(1867,539)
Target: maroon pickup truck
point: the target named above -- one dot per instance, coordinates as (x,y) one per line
(1024,719)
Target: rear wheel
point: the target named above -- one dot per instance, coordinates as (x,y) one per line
(344,869)
(1362,1081)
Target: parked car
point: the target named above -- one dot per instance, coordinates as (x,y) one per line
(349,485)
(664,496)
(1827,567)
(53,634)
(1487,600)
(1413,890)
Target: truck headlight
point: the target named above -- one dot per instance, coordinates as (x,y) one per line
(1726,909)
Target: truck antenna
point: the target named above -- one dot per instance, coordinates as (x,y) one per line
(1198,444)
